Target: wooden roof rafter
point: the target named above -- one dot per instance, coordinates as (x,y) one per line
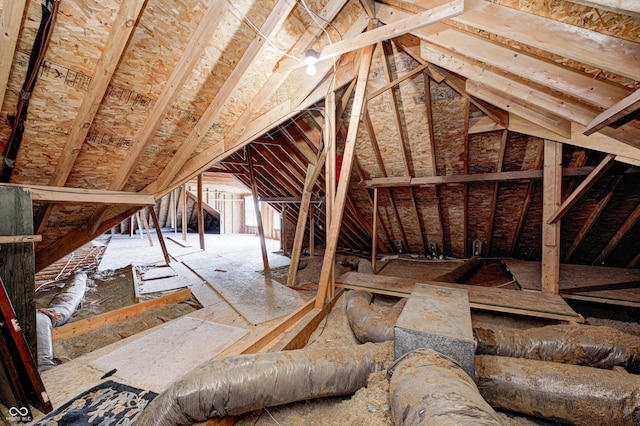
(10,23)
(622,231)
(274,22)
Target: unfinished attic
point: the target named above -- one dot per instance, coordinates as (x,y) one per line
(474,163)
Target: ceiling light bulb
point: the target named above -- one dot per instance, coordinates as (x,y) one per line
(310,57)
(311,69)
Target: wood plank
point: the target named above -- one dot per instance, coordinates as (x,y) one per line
(273,332)
(516,62)
(256,207)
(12,239)
(597,141)
(526,110)
(527,274)
(298,336)
(81,195)
(620,110)
(589,47)
(79,328)
(325,281)
(484,298)
(10,22)
(584,186)
(17,269)
(551,198)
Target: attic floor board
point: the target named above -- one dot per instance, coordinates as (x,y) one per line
(485,298)
(577,280)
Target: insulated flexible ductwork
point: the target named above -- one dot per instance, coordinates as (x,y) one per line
(65,303)
(601,347)
(239,384)
(61,308)
(368,322)
(569,394)
(428,388)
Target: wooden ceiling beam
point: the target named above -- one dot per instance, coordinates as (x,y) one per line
(524,109)
(272,25)
(516,175)
(588,47)
(10,23)
(597,142)
(84,196)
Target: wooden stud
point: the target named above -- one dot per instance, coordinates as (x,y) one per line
(552,190)
(143,216)
(183,199)
(200,213)
(312,231)
(345,173)
(374,234)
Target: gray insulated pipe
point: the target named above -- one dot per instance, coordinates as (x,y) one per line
(243,383)
(368,322)
(601,347)
(429,388)
(569,394)
(61,308)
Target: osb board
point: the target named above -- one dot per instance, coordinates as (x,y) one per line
(511,196)
(427,201)
(449,129)
(484,151)
(485,298)
(480,202)
(454,219)
(579,276)
(154,359)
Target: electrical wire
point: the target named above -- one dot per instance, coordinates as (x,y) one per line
(257,30)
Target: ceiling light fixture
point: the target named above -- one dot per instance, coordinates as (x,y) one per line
(311,59)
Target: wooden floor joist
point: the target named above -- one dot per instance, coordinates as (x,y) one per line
(79,328)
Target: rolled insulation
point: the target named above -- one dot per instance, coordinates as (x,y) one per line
(565,393)
(601,347)
(45,344)
(65,303)
(428,388)
(368,322)
(239,384)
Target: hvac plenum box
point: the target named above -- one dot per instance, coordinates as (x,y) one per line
(438,318)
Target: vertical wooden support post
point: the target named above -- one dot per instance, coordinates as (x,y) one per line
(283,230)
(374,236)
(17,263)
(139,222)
(173,210)
(156,223)
(325,280)
(131,224)
(312,243)
(200,213)
(256,206)
(184,211)
(551,200)
(143,216)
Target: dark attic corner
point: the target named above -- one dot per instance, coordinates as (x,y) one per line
(320,212)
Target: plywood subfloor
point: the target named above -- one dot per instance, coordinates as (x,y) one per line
(255,296)
(593,283)
(486,298)
(163,356)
